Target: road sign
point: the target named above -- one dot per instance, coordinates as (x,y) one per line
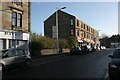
(54,32)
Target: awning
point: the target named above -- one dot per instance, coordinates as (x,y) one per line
(80,39)
(92,41)
(88,40)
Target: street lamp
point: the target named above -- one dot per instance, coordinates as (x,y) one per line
(57,40)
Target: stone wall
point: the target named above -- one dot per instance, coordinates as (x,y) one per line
(8,7)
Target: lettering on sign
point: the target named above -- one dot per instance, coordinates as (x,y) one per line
(8,33)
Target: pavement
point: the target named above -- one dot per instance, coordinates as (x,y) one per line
(46,57)
(52,56)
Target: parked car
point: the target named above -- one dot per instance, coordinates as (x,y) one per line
(98,48)
(114,65)
(102,47)
(84,49)
(76,50)
(93,48)
(89,48)
(15,57)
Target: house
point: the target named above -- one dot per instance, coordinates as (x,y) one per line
(14,23)
(70,26)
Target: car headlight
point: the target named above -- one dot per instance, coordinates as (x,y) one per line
(113,66)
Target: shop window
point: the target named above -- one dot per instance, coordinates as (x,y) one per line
(10,43)
(4,43)
(13,42)
(17,42)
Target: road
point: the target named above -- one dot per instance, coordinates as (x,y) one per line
(91,65)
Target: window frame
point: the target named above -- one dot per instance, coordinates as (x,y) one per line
(84,26)
(71,32)
(16,19)
(71,22)
(19,20)
(78,23)
(78,33)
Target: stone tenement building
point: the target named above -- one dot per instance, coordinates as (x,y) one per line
(70,26)
(14,23)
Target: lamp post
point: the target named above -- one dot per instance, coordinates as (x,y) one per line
(57,40)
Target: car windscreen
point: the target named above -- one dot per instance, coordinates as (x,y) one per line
(116,53)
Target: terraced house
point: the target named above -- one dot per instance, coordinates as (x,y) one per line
(14,23)
(71,26)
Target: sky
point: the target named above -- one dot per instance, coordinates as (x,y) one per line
(101,16)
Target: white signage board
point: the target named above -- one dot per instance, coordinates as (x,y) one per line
(54,32)
(14,35)
(26,36)
(5,35)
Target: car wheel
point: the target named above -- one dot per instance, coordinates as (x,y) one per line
(27,62)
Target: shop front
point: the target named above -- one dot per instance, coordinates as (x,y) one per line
(10,39)
(80,40)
